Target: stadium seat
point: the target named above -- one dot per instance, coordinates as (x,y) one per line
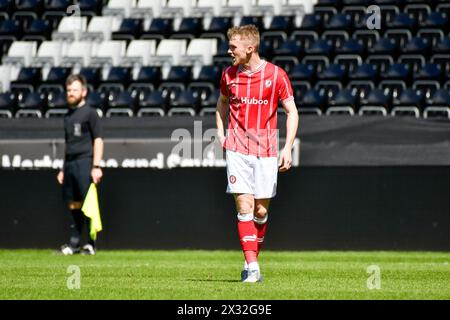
(438,105)
(39,30)
(21,53)
(208,105)
(377,102)
(189,28)
(236,7)
(7,105)
(159,29)
(78,54)
(48,54)
(70,29)
(108,53)
(154,104)
(169,52)
(56,105)
(32,105)
(207,8)
(344,102)
(306,37)
(199,51)
(101,28)
(410,102)
(138,53)
(130,29)
(149,75)
(120,104)
(121,8)
(186,103)
(313,102)
(174,8)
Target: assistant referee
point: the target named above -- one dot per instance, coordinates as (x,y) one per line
(83,153)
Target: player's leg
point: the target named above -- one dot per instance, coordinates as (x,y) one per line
(84,180)
(247,235)
(69,190)
(261,215)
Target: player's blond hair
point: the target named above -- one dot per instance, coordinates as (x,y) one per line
(248,31)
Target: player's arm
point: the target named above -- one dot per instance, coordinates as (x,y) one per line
(96,172)
(222,110)
(291,131)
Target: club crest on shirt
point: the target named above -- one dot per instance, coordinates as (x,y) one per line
(77,129)
(232,179)
(268,83)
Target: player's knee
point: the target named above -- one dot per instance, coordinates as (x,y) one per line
(260,211)
(74,205)
(245,207)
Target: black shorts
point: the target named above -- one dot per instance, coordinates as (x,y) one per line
(77,179)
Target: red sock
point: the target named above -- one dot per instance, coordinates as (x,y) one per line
(261,231)
(247,235)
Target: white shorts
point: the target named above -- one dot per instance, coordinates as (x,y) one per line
(252,175)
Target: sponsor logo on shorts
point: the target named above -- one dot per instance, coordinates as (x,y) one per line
(232,179)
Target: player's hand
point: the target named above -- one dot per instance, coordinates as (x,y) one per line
(60,177)
(96,175)
(285,161)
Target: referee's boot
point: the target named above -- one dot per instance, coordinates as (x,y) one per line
(88,250)
(68,250)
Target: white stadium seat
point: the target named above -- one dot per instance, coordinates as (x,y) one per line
(139,52)
(70,29)
(120,8)
(108,53)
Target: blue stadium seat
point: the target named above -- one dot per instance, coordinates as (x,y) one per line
(438,106)
(154,104)
(122,104)
(306,37)
(180,74)
(160,28)
(10,29)
(344,102)
(186,103)
(96,101)
(32,105)
(313,102)
(282,23)
(190,28)
(351,46)
(129,29)
(57,5)
(377,102)
(289,48)
(56,105)
(208,105)
(220,24)
(7,105)
(339,21)
(410,102)
(39,30)
(149,74)
(312,22)
(304,72)
(209,74)
(92,75)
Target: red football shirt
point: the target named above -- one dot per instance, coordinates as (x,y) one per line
(253,98)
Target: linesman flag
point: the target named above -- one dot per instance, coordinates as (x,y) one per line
(92,211)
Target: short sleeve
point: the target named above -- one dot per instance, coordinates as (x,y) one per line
(285,92)
(95,124)
(223,84)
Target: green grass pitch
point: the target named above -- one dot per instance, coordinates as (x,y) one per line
(211,275)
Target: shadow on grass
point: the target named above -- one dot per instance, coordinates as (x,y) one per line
(214,280)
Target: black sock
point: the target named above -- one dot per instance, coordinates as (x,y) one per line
(76,227)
